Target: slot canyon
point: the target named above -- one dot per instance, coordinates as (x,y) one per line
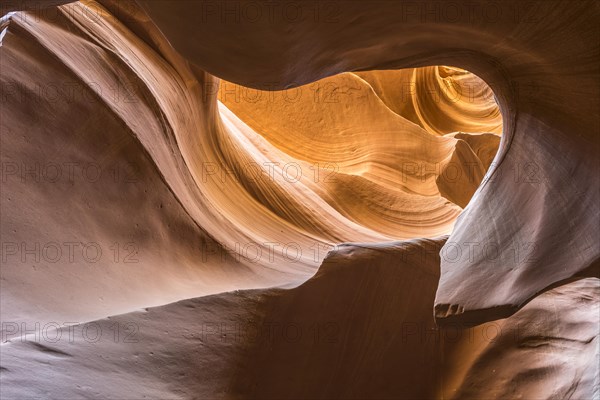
(336,199)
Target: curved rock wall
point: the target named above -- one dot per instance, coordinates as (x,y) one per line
(169,189)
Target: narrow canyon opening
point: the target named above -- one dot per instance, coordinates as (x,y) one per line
(400,152)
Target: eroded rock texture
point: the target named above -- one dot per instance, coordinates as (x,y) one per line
(332,205)
(543,68)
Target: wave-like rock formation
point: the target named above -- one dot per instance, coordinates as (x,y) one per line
(244,199)
(440,99)
(288,185)
(529,64)
(373,165)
